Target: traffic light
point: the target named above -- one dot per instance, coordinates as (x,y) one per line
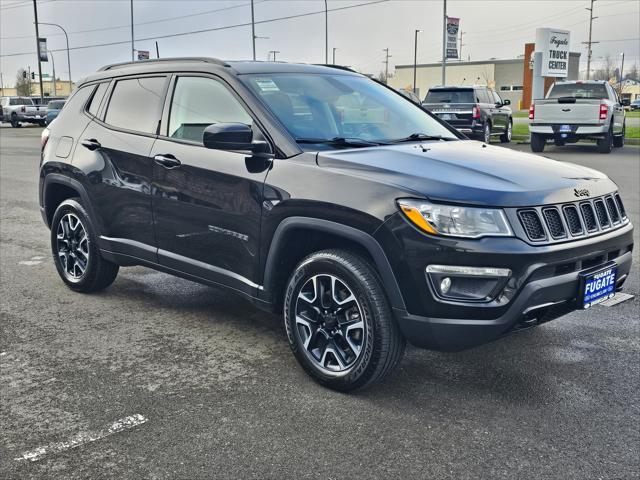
(24,74)
(33,75)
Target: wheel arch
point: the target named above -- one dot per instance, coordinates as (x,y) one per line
(286,251)
(56,189)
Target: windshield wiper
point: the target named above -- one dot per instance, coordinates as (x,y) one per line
(416,137)
(340,141)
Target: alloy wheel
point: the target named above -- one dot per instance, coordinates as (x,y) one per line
(330,324)
(487,133)
(509,130)
(72,247)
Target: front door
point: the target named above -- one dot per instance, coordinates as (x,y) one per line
(207,203)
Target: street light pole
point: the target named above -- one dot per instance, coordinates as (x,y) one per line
(132,46)
(253,32)
(334,55)
(53,66)
(444,42)
(415,61)
(68,57)
(622,69)
(35,14)
(326,33)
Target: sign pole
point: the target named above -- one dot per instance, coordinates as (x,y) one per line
(35,13)
(444,42)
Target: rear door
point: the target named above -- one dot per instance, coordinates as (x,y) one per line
(114,152)
(207,203)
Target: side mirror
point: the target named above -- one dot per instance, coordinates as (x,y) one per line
(228,136)
(506,101)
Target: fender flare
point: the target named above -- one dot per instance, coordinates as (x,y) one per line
(370,244)
(52,179)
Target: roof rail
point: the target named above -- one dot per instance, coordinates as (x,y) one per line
(339,67)
(215,61)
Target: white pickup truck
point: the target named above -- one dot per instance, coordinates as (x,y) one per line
(578,109)
(18,110)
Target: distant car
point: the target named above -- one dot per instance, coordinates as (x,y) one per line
(53,108)
(410,95)
(476,111)
(635,105)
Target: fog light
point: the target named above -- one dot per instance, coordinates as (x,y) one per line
(445,285)
(461,283)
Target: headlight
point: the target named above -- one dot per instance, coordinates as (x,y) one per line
(454,220)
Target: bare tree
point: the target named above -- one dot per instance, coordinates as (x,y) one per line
(607,69)
(383,77)
(23,83)
(632,72)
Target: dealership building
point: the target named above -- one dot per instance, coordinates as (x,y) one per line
(510,77)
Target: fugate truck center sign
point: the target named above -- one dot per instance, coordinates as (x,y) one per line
(554,46)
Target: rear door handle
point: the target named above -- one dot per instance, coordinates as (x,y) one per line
(91,144)
(167,161)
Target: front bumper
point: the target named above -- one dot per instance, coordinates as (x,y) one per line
(544,283)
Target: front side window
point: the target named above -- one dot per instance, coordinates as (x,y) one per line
(199,102)
(136,104)
(326,107)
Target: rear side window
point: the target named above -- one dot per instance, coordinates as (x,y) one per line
(484,96)
(94,105)
(136,104)
(199,102)
(75,104)
(456,95)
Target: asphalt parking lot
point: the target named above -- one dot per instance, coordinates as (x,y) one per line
(158,377)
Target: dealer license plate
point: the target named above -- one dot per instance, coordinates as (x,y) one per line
(447,116)
(565,128)
(599,286)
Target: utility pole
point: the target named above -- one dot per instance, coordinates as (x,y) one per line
(621,70)
(334,55)
(461,44)
(415,61)
(326,33)
(253,32)
(35,14)
(1,85)
(274,54)
(53,65)
(589,43)
(157,50)
(444,41)
(386,64)
(133,49)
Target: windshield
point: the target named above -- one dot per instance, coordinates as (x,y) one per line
(450,96)
(337,107)
(578,90)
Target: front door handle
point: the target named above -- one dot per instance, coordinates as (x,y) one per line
(91,143)
(167,161)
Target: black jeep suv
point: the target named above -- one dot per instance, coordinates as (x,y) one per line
(317,192)
(476,111)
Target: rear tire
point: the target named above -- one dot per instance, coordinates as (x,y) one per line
(14,121)
(508,133)
(605,144)
(75,249)
(537,142)
(618,140)
(343,346)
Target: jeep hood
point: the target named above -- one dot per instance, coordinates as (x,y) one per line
(470,172)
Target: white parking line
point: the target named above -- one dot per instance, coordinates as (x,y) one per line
(37,260)
(83,438)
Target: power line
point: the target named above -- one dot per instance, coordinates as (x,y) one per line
(24,4)
(117,27)
(204,30)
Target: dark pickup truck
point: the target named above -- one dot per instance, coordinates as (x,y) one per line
(476,111)
(320,194)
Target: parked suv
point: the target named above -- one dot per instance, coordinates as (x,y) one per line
(366,227)
(476,111)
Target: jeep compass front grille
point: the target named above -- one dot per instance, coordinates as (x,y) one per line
(554,223)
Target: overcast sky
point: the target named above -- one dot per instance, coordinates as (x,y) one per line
(492,29)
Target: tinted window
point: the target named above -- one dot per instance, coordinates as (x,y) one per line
(74,105)
(55,105)
(136,104)
(199,102)
(94,104)
(578,90)
(450,96)
(13,101)
(484,96)
(325,106)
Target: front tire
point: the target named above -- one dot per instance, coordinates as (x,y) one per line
(339,322)
(537,142)
(75,249)
(14,121)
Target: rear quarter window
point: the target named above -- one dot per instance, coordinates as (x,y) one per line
(75,104)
